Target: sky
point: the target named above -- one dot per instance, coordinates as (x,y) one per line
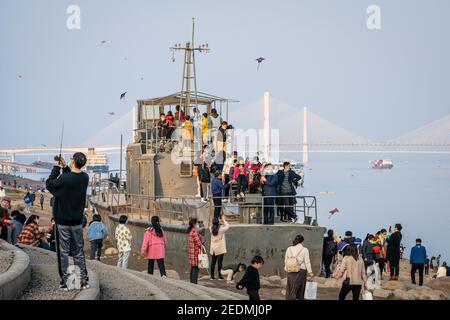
(378,84)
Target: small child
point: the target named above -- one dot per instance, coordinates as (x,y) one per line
(123,237)
(250,280)
(230,270)
(96,233)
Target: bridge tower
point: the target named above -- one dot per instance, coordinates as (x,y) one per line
(305,136)
(266,126)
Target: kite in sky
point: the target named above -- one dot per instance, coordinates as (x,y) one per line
(259,60)
(103,42)
(333,212)
(111,113)
(122,96)
(19,76)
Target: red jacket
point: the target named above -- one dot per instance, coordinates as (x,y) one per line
(194,247)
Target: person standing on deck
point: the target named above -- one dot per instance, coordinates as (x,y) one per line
(205,129)
(393,252)
(418,259)
(288,183)
(270,184)
(217,188)
(69,189)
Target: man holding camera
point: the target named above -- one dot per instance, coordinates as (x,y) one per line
(69,189)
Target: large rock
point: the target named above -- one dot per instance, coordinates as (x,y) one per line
(331,283)
(320,280)
(275,279)
(405,295)
(382,293)
(426,293)
(442,284)
(395,285)
(284,282)
(265,283)
(111,251)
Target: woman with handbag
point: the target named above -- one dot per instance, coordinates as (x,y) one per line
(297,266)
(194,248)
(354,274)
(218,244)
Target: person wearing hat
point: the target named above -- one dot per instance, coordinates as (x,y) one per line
(5,220)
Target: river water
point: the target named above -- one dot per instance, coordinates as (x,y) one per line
(415,193)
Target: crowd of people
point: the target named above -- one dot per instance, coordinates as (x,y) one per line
(349,259)
(239,176)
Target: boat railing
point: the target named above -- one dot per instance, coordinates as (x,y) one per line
(179,209)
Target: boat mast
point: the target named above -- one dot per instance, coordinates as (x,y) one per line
(188,69)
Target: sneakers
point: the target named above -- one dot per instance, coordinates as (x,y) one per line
(221,279)
(84,285)
(212,278)
(63,286)
(203,200)
(230,282)
(242,195)
(164,277)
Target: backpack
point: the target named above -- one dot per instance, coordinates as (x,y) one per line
(292,265)
(330,248)
(204,175)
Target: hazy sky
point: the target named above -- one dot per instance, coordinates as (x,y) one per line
(378,84)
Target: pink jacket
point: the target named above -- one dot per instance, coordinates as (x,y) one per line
(153,247)
(236,170)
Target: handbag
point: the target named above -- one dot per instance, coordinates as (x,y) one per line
(311,290)
(203,260)
(367,295)
(292,265)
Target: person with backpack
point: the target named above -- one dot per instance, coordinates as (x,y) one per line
(69,190)
(217,188)
(218,246)
(96,233)
(329,252)
(298,268)
(154,247)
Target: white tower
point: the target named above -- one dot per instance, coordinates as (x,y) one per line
(305,136)
(266,125)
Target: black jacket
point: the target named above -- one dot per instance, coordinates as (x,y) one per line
(69,190)
(293,180)
(250,280)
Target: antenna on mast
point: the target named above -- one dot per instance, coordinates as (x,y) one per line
(189,69)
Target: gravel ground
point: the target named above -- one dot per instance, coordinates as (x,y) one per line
(44,279)
(6,259)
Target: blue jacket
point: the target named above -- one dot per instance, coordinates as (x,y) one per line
(216,186)
(418,254)
(97,230)
(271,185)
(293,180)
